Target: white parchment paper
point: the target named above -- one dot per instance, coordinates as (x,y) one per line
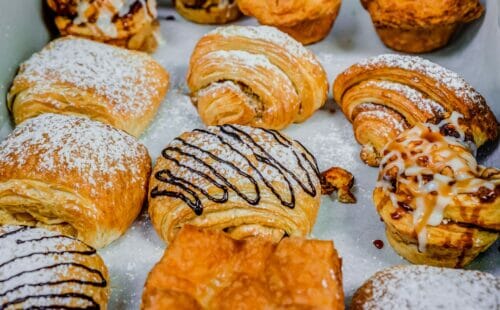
(474,53)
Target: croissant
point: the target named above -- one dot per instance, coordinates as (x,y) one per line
(426,287)
(384,95)
(242,180)
(81,77)
(40,269)
(420,26)
(439,206)
(206,269)
(307,21)
(125,23)
(208,11)
(82,178)
(256,76)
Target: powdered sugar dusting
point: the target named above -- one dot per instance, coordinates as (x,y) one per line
(425,287)
(115,73)
(95,150)
(425,104)
(441,75)
(269,34)
(375,111)
(36,262)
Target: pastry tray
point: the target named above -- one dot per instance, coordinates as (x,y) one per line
(475,54)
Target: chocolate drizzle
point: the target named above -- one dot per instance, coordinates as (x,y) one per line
(246,145)
(32,267)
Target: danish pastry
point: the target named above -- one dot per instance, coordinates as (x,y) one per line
(82,178)
(439,206)
(256,76)
(81,77)
(307,21)
(125,23)
(242,180)
(425,287)
(420,26)
(384,95)
(205,269)
(40,269)
(208,11)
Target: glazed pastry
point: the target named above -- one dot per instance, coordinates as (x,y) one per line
(205,269)
(425,287)
(82,178)
(420,26)
(125,23)
(308,21)
(384,95)
(81,77)
(256,76)
(40,269)
(242,180)
(208,11)
(440,207)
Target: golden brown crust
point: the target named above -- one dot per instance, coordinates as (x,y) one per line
(384,95)
(65,78)
(37,262)
(132,26)
(420,26)
(255,76)
(306,21)
(440,208)
(340,180)
(74,175)
(208,11)
(205,269)
(242,180)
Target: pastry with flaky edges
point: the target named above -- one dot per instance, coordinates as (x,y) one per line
(242,180)
(70,174)
(420,26)
(307,21)
(81,77)
(40,269)
(439,206)
(255,76)
(208,11)
(125,23)
(425,287)
(384,95)
(206,269)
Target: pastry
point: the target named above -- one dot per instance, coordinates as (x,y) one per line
(425,287)
(420,26)
(40,269)
(125,23)
(206,269)
(208,11)
(308,21)
(384,95)
(338,180)
(81,77)
(256,76)
(73,175)
(242,180)
(439,206)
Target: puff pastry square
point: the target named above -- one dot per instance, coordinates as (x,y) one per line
(82,77)
(73,175)
(205,269)
(125,23)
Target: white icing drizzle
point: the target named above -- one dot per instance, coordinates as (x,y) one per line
(36,266)
(425,287)
(94,150)
(416,157)
(117,74)
(269,34)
